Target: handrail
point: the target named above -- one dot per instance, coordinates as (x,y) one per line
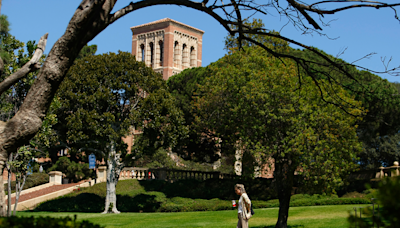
(171,174)
(373,211)
(390,171)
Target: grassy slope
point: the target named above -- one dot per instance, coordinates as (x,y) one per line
(310,217)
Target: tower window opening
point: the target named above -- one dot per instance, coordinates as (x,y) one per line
(192,57)
(176,53)
(142,52)
(151,53)
(184,60)
(161,45)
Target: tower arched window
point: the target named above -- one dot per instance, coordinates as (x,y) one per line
(192,57)
(184,56)
(176,53)
(151,45)
(142,52)
(161,46)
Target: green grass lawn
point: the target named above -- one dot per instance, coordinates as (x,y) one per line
(309,217)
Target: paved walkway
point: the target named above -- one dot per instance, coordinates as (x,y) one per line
(42,192)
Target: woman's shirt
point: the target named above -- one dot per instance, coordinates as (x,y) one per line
(240,209)
(244,201)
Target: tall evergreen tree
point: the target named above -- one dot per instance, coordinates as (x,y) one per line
(102,98)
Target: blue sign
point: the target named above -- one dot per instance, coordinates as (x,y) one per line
(92,161)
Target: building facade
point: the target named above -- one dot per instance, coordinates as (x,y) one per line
(168,46)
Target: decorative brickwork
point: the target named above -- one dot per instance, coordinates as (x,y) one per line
(168,46)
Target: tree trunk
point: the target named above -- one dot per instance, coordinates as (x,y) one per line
(113,170)
(111,197)
(2,193)
(89,19)
(18,190)
(9,186)
(284,175)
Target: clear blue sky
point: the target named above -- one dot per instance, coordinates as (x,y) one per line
(361,31)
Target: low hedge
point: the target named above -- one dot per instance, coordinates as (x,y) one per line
(300,203)
(44,222)
(133,197)
(179,204)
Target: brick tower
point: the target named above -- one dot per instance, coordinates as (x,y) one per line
(168,46)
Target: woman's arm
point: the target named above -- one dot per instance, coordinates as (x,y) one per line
(247,201)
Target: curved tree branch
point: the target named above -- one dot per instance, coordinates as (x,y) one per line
(363,4)
(300,8)
(31,66)
(145,3)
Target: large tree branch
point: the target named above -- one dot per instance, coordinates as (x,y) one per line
(300,8)
(363,4)
(145,3)
(30,66)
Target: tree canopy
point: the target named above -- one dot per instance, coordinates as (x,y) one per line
(201,144)
(379,97)
(260,100)
(102,99)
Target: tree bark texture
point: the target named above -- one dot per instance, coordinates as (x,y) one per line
(9,188)
(284,175)
(2,192)
(114,168)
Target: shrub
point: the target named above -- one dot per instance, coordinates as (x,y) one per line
(389,201)
(44,222)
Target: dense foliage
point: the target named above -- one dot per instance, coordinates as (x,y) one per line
(258,104)
(105,96)
(380,98)
(381,102)
(274,117)
(201,144)
(387,214)
(73,171)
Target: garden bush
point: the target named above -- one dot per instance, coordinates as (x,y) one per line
(388,199)
(44,222)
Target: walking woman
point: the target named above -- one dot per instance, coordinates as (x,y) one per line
(244,211)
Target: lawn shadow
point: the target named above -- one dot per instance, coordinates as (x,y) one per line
(84,202)
(209,189)
(273,226)
(138,203)
(90,202)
